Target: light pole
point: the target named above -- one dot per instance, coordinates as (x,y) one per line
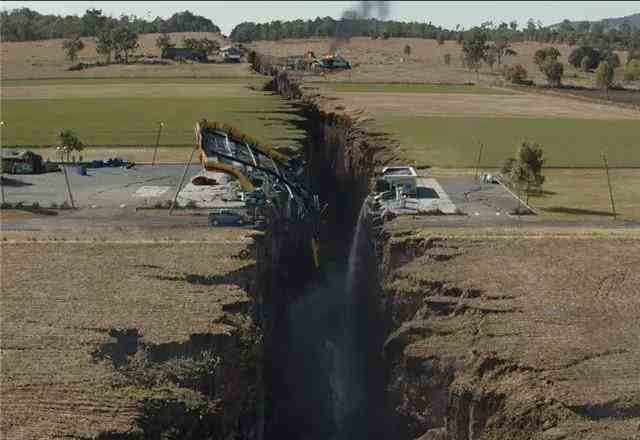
(155,151)
(2,174)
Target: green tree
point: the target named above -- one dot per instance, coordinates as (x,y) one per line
(92,22)
(163,42)
(524,171)
(554,71)
(104,44)
(491,57)
(545,56)
(502,47)
(71,47)
(605,74)
(69,143)
(124,42)
(474,48)
(612,58)
(578,54)
(632,70)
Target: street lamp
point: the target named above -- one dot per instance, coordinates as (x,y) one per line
(155,151)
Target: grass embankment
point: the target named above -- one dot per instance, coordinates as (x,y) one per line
(455,141)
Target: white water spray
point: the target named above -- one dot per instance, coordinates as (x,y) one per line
(354,255)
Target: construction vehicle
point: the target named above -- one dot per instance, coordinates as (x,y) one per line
(329,61)
(269,179)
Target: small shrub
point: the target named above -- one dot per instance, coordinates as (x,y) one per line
(191,205)
(577,55)
(516,74)
(65,205)
(5,205)
(53,205)
(553,71)
(35,205)
(632,71)
(19,205)
(585,63)
(447,59)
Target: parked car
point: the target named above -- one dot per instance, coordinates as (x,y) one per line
(225,217)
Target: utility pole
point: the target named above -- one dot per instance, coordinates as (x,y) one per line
(186,168)
(2,170)
(606,167)
(479,159)
(155,151)
(66,179)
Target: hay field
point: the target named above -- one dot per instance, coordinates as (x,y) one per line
(45,59)
(64,297)
(384,60)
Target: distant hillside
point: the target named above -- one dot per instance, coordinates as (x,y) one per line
(633,20)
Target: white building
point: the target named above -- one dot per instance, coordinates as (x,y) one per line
(403,177)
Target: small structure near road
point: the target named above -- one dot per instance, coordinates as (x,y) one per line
(404,177)
(21,162)
(230,54)
(182,53)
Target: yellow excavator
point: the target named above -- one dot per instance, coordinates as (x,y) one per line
(260,168)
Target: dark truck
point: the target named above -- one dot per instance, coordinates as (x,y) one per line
(182,53)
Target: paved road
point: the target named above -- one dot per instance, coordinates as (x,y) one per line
(101,187)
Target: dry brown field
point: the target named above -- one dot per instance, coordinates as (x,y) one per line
(545,325)
(384,60)
(65,297)
(45,59)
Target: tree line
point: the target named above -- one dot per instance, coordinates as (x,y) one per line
(330,27)
(582,34)
(24,24)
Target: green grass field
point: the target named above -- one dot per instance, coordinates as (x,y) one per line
(409,88)
(571,193)
(454,141)
(134,121)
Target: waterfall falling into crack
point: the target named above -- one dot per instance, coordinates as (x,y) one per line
(330,374)
(354,250)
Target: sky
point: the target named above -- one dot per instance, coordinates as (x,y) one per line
(227,14)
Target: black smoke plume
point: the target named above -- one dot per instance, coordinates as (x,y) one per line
(353,18)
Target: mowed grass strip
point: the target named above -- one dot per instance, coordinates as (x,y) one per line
(579,193)
(455,141)
(409,88)
(134,121)
(249,80)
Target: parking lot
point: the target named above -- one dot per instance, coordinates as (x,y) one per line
(457,195)
(143,185)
